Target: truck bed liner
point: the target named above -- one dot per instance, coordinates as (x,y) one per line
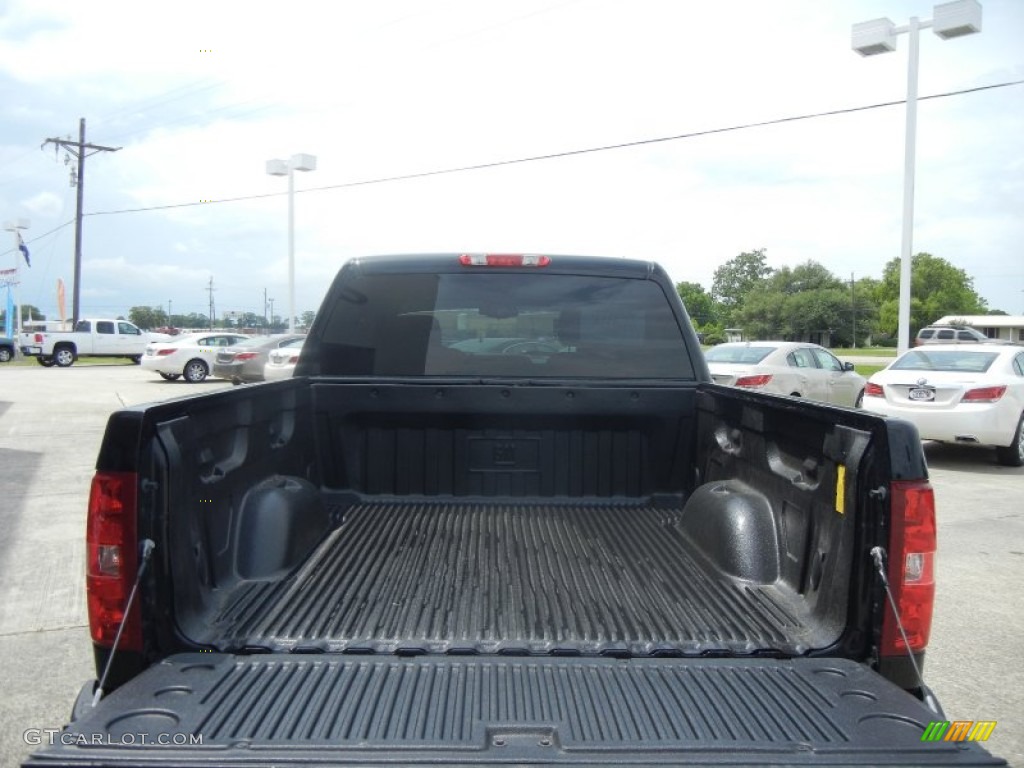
(286,709)
(539,578)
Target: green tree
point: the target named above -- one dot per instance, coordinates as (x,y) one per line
(762,315)
(698,303)
(250,320)
(31,312)
(28,312)
(809,276)
(772,314)
(937,288)
(192,320)
(307,318)
(148,317)
(737,278)
(813,311)
(860,322)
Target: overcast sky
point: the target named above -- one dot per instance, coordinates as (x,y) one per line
(200,95)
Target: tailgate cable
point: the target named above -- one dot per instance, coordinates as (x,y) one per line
(879,555)
(147,547)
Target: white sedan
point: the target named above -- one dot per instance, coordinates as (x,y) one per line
(786,368)
(281,361)
(190,356)
(957,394)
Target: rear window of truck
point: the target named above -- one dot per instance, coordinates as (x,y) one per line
(509,324)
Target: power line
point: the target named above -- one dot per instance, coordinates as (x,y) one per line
(568,153)
(67,223)
(141,106)
(204,115)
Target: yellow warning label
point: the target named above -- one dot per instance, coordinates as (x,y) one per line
(841,489)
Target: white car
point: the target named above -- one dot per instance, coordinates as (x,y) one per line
(190,356)
(786,368)
(281,361)
(958,394)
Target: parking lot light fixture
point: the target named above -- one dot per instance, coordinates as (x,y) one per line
(869,38)
(287,168)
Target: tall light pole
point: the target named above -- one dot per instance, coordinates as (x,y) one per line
(954,19)
(283,168)
(15,226)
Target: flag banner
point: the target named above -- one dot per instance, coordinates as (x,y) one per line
(60,302)
(24,249)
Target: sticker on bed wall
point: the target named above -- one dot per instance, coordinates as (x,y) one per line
(841,489)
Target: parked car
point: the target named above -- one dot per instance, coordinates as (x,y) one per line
(281,361)
(6,349)
(244,362)
(95,337)
(957,394)
(786,368)
(950,334)
(191,356)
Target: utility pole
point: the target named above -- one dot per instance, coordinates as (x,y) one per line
(265,308)
(213,313)
(853,308)
(78,149)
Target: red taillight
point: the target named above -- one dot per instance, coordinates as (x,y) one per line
(111,558)
(754,381)
(911,567)
(165,352)
(244,355)
(503,260)
(983,395)
(39,338)
(872,390)
(293,359)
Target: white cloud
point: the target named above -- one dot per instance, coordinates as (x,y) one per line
(45,204)
(396,87)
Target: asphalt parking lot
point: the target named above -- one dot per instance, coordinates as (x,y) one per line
(51,424)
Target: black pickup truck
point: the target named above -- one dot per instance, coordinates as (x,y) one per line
(502,516)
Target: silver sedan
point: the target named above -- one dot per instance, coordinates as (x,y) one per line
(787,368)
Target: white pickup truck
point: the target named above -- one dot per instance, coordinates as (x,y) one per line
(93,337)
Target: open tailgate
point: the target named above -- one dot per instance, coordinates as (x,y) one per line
(207,709)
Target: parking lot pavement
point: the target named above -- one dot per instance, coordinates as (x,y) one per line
(975,659)
(51,424)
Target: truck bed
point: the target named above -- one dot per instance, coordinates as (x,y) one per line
(342,517)
(441,577)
